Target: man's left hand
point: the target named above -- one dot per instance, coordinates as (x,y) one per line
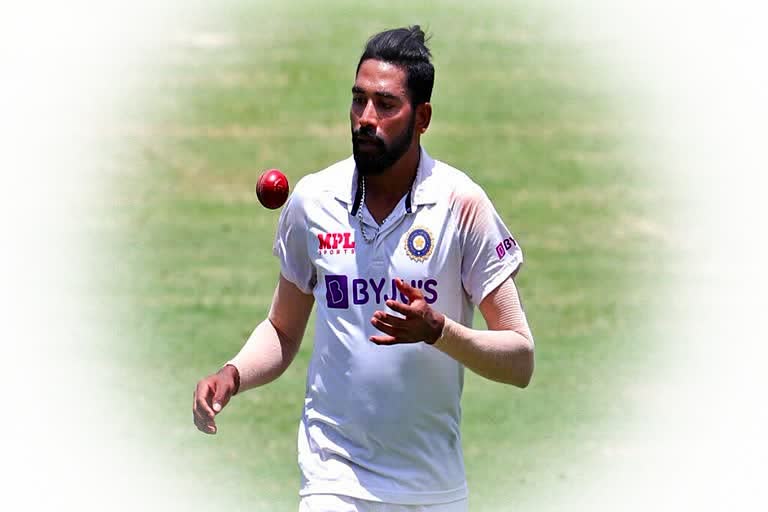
(421,322)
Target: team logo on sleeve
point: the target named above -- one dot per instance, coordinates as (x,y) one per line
(419,243)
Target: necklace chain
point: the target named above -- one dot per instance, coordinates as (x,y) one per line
(360,213)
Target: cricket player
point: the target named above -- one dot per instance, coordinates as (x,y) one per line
(396,249)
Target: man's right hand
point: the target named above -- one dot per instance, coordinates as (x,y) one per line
(212,395)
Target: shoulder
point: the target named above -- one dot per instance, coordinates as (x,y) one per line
(461,192)
(320,185)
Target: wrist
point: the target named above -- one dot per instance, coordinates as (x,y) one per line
(231,372)
(446,333)
(437,323)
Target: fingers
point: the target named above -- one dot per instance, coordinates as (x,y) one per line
(202,412)
(384,340)
(408,290)
(212,394)
(393,327)
(411,329)
(399,307)
(399,330)
(394,321)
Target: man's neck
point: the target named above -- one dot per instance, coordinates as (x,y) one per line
(396,181)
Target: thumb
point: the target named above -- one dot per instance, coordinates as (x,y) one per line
(221,397)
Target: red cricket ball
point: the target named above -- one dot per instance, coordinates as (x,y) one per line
(272,189)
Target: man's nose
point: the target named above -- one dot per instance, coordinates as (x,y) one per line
(369,116)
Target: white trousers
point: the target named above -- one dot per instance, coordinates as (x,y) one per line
(337,503)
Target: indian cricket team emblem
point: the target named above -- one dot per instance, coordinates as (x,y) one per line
(419,243)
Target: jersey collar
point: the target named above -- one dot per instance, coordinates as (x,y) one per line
(423,191)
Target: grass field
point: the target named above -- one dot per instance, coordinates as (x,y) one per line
(251,86)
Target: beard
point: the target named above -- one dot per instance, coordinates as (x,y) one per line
(375,162)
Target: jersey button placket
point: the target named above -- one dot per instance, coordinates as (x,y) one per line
(392,223)
(377,257)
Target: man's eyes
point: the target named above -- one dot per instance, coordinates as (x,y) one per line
(380,105)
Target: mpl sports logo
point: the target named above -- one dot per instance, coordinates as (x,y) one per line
(335,243)
(340,289)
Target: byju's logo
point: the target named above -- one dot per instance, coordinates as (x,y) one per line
(506,245)
(339,289)
(335,243)
(336,292)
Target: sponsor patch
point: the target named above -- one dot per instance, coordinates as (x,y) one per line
(505,246)
(343,290)
(335,243)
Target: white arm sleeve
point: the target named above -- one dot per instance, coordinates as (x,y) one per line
(504,352)
(275,341)
(262,359)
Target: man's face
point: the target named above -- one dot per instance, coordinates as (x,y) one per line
(381,116)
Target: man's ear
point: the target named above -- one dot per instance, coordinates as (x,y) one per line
(423,117)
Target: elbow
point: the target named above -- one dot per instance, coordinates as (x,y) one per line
(524,380)
(523,372)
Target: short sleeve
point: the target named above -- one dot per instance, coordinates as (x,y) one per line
(490,254)
(290,244)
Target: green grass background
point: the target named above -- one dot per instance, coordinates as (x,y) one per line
(243,86)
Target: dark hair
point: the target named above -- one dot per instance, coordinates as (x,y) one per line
(405,47)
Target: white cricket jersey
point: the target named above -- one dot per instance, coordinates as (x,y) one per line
(381,423)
